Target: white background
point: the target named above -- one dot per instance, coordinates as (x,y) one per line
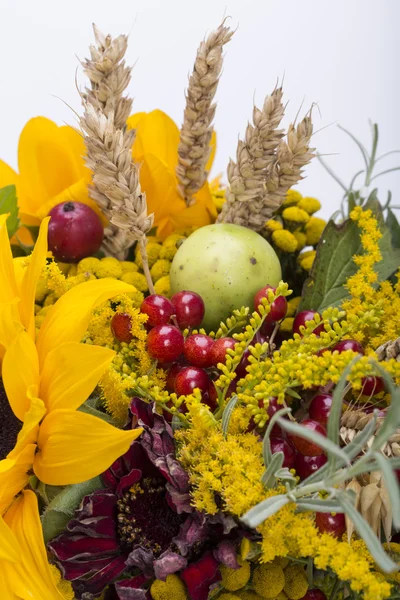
(341,54)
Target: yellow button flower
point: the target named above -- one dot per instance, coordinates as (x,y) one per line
(235,579)
(292,197)
(295,215)
(172,587)
(314,229)
(284,240)
(310,205)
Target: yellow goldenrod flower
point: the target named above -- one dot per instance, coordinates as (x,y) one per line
(51,169)
(301,239)
(310,205)
(314,229)
(273,225)
(292,197)
(295,215)
(235,579)
(172,587)
(284,240)
(156,150)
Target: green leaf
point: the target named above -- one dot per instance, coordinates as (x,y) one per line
(258,514)
(89,410)
(365,531)
(8,204)
(62,508)
(276,462)
(319,505)
(394,226)
(227,414)
(333,263)
(392,485)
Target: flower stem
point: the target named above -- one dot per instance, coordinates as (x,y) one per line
(146,270)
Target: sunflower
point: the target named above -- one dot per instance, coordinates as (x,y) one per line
(51,170)
(156,151)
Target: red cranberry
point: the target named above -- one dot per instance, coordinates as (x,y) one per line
(219,348)
(158,309)
(273,407)
(281,445)
(189,309)
(372,385)
(171,376)
(329,523)
(165,343)
(320,408)
(307,465)
(75,231)
(304,446)
(197,350)
(314,594)
(190,378)
(244,362)
(301,319)
(278,307)
(344,345)
(267,328)
(121,327)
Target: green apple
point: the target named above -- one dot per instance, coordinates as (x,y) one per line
(226,264)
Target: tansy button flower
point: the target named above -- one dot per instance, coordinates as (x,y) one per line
(156,150)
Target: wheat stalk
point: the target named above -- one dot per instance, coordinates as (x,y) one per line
(116,187)
(353,421)
(195,135)
(389,350)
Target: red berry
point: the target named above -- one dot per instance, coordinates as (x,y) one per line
(281,445)
(158,309)
(165,343)
(219,348)
(189,309)
(304,446)
(397,472)
(189,378)
(301,319)
(75,232)
(278,307)
(121,327)
(314,594)
(307,465)
(244,362)
(171,376)
(210,397)
(372,385)
(344,345)
(197,350)
(329,523)
(320,408)
(273,407)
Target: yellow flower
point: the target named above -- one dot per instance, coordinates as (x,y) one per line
(235,579)
(310,205)
(295,215)
(156,150)
(273,225)
(292,306)
(161,268)
(218,192)
(268,580)
(48,380)
(51,169)
(292,197)
(163,286)
(284,240)
(296,584)
(172,587)
(153,252)
(314,229)
(301,239)
(306,259)
(138,280)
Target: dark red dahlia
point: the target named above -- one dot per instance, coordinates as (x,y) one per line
(142,522)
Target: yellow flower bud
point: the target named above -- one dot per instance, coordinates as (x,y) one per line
(295,215)
(268,580)
(314,229)
(234,579)
(172,587)
(109,267)
(284,240)
(310,205)
(292,197)
(296,584)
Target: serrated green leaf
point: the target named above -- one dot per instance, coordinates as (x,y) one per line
(268,478)
(259,513)
(333,263)
(365,531)
(62,508)
(227,414)
(8,204)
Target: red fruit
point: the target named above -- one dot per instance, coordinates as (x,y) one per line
(121,327)
(314,594)
(301,319)
(344,345)
(397,471)
(329,523)
(189,378)
(189,309)
(281,445)
(158,309)
(304,446)
(219,348)
(320,408)
(171,376)
(197,350)
(165,343)
(273,407)
(372,385)
(75,232)
(307,465)
(278,306)
(244,362)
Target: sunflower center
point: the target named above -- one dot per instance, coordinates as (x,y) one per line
(145,517)
(10,426)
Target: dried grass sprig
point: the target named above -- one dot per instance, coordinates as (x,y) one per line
(195,135)
(389,350)
(353,421)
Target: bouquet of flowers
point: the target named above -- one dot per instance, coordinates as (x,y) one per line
(199,388)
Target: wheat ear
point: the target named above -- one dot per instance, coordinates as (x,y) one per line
(195,135)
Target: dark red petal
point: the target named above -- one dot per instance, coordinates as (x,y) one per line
(200,575)
(72,547)
(168,563)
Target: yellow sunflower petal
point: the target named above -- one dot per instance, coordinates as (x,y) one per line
(8,288)
(7,175)
(160,184)
(70,374)
(14,475)
(30,279)
(20,371)
(8,543)
(204,198)
(9,324)
(30,429)
(157,134)
(68,319)
(74,447)
(30,577)
(192,216)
